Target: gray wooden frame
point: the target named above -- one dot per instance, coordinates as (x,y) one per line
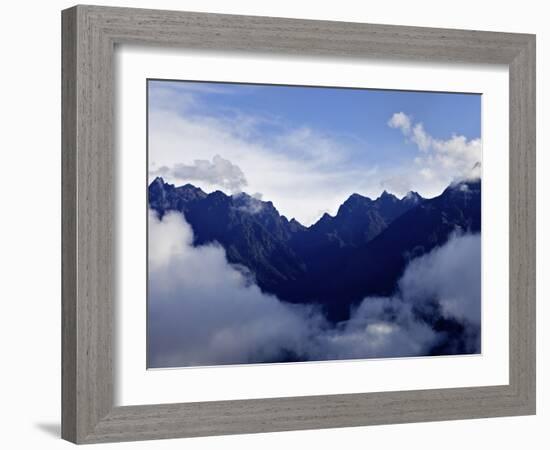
(89,37)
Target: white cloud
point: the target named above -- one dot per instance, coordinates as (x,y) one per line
(402,121)
(220,171)
(451,274)
(421,138)
(381,327)
(439,163)
(203,311)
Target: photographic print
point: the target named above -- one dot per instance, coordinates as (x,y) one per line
(296,223)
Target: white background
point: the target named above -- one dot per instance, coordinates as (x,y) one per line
(30,225)
(135,386)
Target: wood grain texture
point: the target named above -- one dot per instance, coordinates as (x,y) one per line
(88,208)
(68,226)
(522,224)
(89,36)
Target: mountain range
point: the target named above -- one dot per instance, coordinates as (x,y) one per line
(339,260)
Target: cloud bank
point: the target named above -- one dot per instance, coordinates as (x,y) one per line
(451,274)
(203,311)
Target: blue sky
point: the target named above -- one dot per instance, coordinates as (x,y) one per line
(354,140)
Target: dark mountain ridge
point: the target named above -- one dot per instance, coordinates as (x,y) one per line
(337,261)
(358,219)
(375,267)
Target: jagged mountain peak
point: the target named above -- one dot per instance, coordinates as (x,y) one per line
(358,197)
(387,196)
(325,219)
(218,196)
(191,191)
(412,196)
(353,201)
(158,184)
(188,187)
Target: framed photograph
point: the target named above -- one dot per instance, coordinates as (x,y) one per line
(278,224)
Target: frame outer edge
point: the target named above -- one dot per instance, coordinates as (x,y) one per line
(523,225)
(532,222)
(68,225)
